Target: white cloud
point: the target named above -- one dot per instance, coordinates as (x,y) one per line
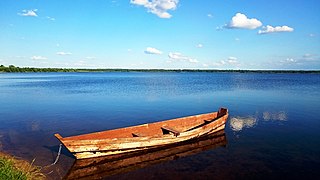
(307,55)
(137,65)
(38,58)
(210,16)
(291,60)
(63,53)
(151,50)
(310,57)
(179,57)
(241,21)
(158,7)
(62,64)
(90,57)
(269,29)
(51,18)
(220,28)
(199,45)
(139,2)
(175,55)
(82,63)
(232,60)
(306,60)
(31,13)
(193,60)
(19,57)
(220,63)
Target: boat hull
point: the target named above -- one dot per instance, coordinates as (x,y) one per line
(106,143)
(102,167)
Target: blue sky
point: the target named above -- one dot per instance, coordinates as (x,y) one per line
(170,34)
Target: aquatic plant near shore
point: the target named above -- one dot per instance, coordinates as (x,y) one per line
(16,169)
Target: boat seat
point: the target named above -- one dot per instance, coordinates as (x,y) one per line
(136,134)
(208,121)
(168,130)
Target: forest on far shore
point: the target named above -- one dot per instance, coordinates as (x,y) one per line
(14,69)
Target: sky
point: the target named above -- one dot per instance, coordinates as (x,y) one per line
(161,34)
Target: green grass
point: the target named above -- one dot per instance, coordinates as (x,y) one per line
(16,169)
(8,171)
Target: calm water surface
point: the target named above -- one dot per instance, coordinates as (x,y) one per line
(273,130)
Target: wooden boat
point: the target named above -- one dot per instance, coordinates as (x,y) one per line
(145,136)
(106,166)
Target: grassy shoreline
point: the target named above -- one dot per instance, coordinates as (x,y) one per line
(14,69)
(12,168)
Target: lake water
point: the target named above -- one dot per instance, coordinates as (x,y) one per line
(273,130)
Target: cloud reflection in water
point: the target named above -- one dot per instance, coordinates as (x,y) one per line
(277,116)
(238,123)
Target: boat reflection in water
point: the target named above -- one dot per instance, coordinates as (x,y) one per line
(97,168)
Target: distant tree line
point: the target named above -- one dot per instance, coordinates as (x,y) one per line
(14,69)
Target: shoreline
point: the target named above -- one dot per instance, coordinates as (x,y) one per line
(14,69)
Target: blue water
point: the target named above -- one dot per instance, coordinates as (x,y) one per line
(273,130)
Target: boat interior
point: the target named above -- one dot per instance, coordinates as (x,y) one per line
(173,126)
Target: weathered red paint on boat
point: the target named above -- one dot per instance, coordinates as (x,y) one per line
(145,136)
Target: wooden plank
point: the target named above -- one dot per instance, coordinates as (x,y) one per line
(58,136)
(136,134)
(170,129)
(208,121)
